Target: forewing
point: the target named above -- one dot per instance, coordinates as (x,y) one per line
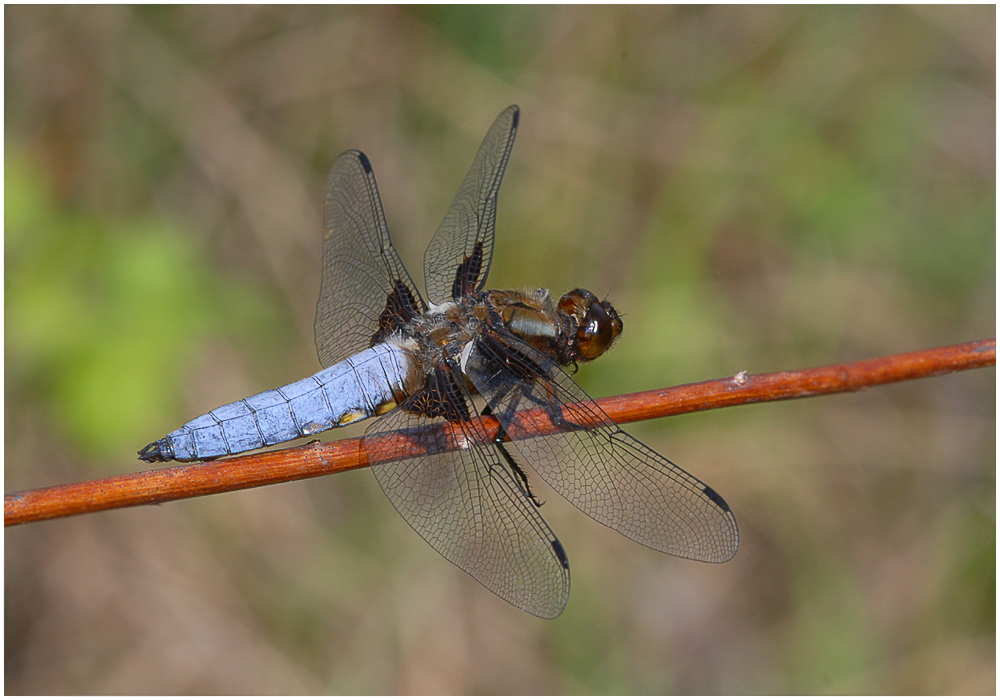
(364,282)
(602,470)
(457,259)
(470,508)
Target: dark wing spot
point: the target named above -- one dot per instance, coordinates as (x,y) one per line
(560,554)
(400,308)
(441,397)
(365,163)
(716,498)
(468,272)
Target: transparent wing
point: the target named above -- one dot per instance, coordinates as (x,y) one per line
(602,470)
(364,281)
(469,507)
(458,258)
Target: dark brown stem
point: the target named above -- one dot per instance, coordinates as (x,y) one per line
(319,459)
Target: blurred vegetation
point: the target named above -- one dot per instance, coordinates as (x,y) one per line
(95,326)
(756,188)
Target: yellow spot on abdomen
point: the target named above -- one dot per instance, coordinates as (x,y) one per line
(350,417)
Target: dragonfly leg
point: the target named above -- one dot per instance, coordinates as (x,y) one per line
(498,440)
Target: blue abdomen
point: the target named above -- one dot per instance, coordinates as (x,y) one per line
(369,383)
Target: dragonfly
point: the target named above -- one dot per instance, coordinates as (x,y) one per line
(443,365)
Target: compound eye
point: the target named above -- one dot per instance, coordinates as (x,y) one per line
(596,333)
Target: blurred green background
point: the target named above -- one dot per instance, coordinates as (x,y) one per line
(754,188)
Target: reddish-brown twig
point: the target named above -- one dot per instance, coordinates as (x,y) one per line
(318,459)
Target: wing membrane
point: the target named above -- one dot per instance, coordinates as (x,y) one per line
(602,470)
(362,272)
(468,227)
(469,507)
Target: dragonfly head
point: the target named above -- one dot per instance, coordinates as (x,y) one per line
(594,323)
